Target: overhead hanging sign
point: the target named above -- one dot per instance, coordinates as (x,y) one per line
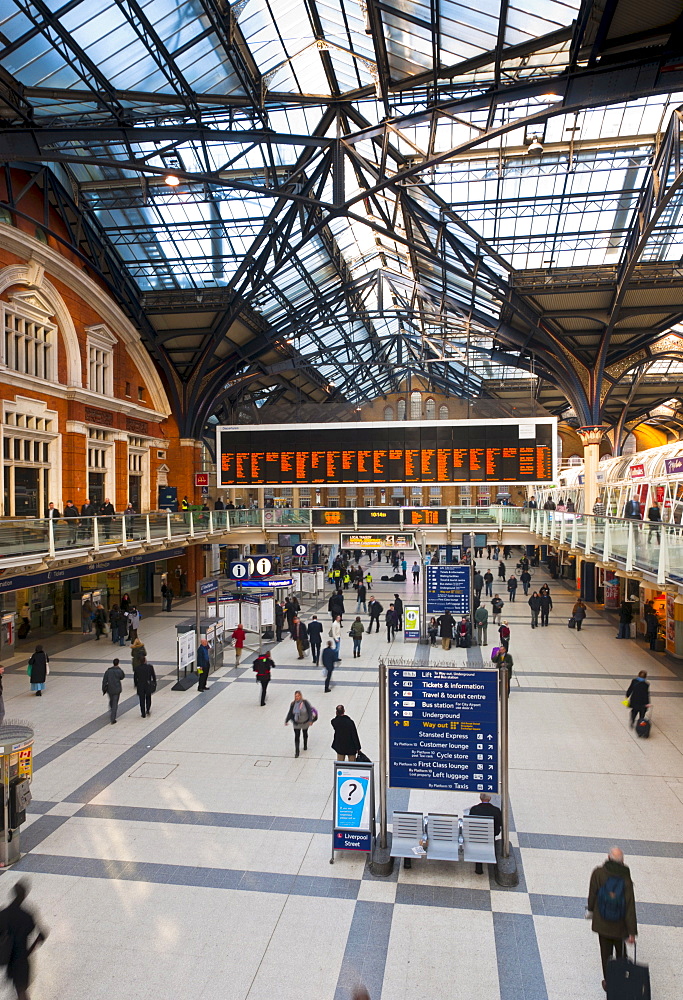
(377,541)
(448,589)
(385,453)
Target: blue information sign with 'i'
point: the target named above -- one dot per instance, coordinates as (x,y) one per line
(443,729)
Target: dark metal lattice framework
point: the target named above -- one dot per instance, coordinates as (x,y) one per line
(369,192)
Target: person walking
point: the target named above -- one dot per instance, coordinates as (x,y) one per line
(512,587)
(134,618)
(503,659)
(375,609)
(496,607)
(488,583)
(137,653)
(238,637)
(346,742)
(416,573)
(398,608)
(446,623)
(262,667)
(114,623)
(111,686)
(100,621)
(145,681)
(534,603)
(652,628)
(86,616)
(203,664)
(330,660)
(654,516)
(546,604)
(391,622)
(292,609)
(525,579)
(612,908)
(638,694)
(625,619)
(302,715)
(107,513)
(504,633)
(38,669)
(501,571)
(579,613)
(315,638)
(300,637)
(335,605)
(362,598)
(2,698)
(18,924)
(357,631)
(481,620)
(368,581)
(71,517)
(486,808)
(166,596)
(478,583)
(279,621)
(335,633)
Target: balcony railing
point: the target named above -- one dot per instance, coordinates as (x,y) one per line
(30,540)
(642,546)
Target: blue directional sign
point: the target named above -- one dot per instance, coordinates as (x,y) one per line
(443,729)
(448,589)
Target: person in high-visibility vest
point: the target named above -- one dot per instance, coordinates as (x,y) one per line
(368,580)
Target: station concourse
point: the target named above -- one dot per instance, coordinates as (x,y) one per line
(197,845)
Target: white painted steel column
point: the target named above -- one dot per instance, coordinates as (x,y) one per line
(630,548)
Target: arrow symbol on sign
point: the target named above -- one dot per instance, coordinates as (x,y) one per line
(395,713)
(397,703)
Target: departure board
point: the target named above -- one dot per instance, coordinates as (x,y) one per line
(388,453)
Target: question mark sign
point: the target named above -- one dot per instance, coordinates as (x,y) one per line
(352,789)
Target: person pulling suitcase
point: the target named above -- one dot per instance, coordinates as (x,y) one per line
(611,908)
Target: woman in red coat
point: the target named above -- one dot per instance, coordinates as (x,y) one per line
(239,635)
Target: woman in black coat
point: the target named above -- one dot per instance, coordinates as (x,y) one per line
(145,681)
(39,670)
(501,571)
(345,742)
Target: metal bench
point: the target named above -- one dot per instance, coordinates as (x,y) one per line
(408,831)
(478,839)
(443,832)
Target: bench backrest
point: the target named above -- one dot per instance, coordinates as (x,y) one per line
(443,828)
(408,826)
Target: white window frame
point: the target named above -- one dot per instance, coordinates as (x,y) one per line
(24,309)
(29,420)
(99,347)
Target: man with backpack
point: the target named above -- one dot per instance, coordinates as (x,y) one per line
(612,907)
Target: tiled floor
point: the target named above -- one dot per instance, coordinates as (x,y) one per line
(187,854)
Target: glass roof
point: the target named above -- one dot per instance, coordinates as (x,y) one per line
(272,115)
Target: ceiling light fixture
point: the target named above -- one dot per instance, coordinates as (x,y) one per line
(535,146)
(172,180)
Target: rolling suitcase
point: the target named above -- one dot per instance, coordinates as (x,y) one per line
(626,980)
(643,727)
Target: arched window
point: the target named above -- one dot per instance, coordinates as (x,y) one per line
(388,413)
(401,409)
(430,409)
(415,405)
(443,413)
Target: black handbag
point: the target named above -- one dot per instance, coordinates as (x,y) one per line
(362,759)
